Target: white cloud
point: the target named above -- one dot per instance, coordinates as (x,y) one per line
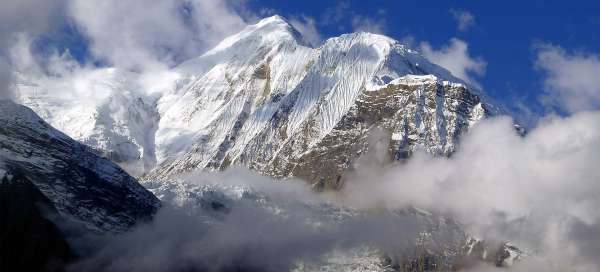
(252,223)
(369,24)
(140,34)
(464,19)
(267,12)
(572,79)
(308,28)
(30,16)
(540,192)
(146,36)
(21,57)
(23,16)
(130,34)
(66,80)
(455,57)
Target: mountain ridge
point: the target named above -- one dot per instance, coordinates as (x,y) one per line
(83,187)
(254,130)
(251,98)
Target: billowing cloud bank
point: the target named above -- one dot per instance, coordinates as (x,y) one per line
(539,191)
(241,221)
(146,37)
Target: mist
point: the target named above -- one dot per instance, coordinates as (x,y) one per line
(6,91)
(540,191)
(240,221)
(143,45)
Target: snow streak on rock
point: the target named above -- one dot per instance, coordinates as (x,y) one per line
(265,99)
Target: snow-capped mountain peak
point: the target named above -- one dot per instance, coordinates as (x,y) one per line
(267,34)
(280,108)
(265,99)
(271,29)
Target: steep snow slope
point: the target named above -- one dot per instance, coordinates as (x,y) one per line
(262,98)
(81,185)
(241,75)
(265,99)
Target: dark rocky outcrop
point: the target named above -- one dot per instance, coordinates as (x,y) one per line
(29,239)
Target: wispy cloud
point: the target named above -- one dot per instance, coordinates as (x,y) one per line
(249,222)
(23,17)
(308,28)
(464,19)
(572,79)
(538,191)
(6,90)
(165,32)
(456,58)
(136,35)
(370,24)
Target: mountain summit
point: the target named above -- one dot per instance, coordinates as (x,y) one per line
(266,99)
(285,109)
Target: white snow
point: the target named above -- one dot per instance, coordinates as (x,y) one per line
(105,108)
(245,77)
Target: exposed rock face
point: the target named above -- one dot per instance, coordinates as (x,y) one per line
(81,185)
(416,111)
(498,254)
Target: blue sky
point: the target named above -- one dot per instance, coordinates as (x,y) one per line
(516,51)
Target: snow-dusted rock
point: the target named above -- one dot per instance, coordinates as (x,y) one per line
(81,185)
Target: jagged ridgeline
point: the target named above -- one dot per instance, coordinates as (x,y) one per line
(266,99)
